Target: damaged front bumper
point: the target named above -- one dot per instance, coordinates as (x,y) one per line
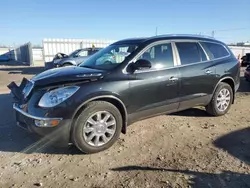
(18,91)
(37,120)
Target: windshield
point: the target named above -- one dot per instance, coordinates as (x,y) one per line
(73,54)
(109,57)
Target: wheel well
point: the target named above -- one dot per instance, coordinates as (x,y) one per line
(120,107)
(113,101)
(67,63)
(231,83)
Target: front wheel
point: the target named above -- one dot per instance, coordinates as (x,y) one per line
(97,127)
(221,101)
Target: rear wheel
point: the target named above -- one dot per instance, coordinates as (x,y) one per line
(221,101)
(97,127)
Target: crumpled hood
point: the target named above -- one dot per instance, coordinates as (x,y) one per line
(66,74)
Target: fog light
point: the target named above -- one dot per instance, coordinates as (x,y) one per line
(47,123)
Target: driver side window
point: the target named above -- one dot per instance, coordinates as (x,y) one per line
(160,56)
(83,53)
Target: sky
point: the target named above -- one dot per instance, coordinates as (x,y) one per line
(24,21)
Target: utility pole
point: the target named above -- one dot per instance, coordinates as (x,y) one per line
(156,31)
(213,32)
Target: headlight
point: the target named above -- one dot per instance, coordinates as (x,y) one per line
(57,96)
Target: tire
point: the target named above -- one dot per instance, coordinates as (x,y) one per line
(212,107)
(80,137)
(66,65)
(244,64)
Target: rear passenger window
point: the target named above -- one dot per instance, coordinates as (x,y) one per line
(214,50)
(190,52)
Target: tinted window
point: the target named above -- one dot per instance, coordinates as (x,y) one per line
(190,52)
(83,53)
(160,56)
(91,52)
(215,50)
(73,54)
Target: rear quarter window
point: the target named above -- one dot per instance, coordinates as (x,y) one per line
(215,50)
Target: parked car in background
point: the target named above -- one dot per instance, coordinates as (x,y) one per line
(75,58)
(91,104)
(245,60)
(247,73)
(4,57)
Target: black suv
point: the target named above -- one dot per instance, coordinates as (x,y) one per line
(91,104)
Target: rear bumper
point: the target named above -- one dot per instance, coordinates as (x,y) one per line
(58,135)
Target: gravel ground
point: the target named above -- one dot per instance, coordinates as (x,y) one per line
(185,149)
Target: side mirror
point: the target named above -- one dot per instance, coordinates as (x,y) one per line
(141,64)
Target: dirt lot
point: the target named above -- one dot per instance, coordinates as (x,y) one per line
(186,149)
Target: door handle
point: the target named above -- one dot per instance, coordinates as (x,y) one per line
(173,78)
(208,71)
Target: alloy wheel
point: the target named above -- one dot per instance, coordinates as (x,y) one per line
(99,128)
(223,99)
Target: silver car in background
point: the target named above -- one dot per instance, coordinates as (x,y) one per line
(75,58)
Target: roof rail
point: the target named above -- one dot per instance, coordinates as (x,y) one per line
(184,35)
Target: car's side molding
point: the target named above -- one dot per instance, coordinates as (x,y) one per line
(124,127)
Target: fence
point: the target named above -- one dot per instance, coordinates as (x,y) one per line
(23,54)
(38,59)
(53,46)
(37,54)
(239,50)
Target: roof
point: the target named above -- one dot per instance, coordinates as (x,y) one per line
(182,35)
(167,37)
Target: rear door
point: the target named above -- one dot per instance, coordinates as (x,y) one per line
(198,74)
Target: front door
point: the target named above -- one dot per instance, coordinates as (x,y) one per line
(155,90)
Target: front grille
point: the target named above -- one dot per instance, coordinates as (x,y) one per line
(28,88)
